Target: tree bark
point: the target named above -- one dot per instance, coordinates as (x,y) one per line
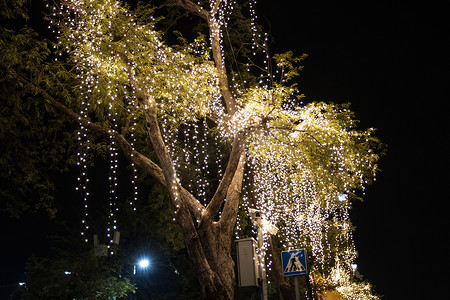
(217,236)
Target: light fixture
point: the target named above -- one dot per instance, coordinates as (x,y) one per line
(354,267)
(144,263)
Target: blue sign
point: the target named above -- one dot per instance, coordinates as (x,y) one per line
(293,262)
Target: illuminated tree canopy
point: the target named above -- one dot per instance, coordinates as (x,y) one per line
(214,143)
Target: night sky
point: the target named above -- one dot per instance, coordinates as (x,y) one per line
(377,56)
(381,57)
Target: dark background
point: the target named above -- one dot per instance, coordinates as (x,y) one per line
(387,59)
(384,59)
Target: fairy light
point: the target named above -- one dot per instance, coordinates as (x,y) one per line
(113,168)
(304,157)
(132,103)
(83,178)
(315,205)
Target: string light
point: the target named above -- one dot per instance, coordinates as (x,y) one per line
(83,178)
(303,157)
(131,109)
(113,169)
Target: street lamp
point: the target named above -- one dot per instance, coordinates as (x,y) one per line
(354,267)
(143,263)
(263,226)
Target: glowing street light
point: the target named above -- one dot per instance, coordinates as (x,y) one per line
(143,263)
(354,267)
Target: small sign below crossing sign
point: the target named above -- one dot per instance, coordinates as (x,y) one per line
(294,262)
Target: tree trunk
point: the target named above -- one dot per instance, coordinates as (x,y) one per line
(217,237)
(208,245)
(217,253)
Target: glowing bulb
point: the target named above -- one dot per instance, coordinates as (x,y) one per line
(144,263)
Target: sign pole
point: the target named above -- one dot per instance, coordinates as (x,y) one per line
(294,263)
(262,263)
(297,288)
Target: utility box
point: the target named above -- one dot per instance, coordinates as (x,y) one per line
(116,237)
(247,262)
(101,250)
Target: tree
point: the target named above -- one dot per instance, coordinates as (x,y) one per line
(68,268)
(31,128)
(75,275)
(174,113)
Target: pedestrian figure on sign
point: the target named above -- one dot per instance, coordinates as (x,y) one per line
(293,264)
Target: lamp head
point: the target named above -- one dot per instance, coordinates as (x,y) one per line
(144,263)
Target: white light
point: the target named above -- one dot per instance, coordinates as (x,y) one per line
(354,267)
(342,197)
(144,263)
(67,272)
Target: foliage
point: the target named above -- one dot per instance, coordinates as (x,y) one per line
(146,232)
(106,40)
(76,275)
(111,286)
(114,72)
(351,289)
(10,9)
(34,138)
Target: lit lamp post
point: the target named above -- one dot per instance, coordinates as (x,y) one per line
(262,226)
(144,263)
(354,267)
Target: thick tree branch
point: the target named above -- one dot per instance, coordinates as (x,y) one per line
(189,6)
(184,218)
(134,156)
(177,192)
(215,7)
(219,196)
(131,154)
(214,33)
(231,207)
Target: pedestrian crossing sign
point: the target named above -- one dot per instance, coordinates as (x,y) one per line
(294,262)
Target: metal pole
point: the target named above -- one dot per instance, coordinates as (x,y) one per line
(262,269)
(297,288)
